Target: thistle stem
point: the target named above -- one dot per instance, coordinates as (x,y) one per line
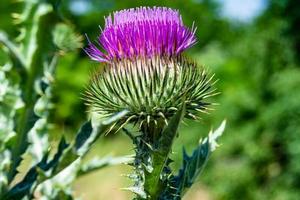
(160,138)
(149,163)
(153,181)
(152,154)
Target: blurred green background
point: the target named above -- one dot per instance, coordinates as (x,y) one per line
(253,47)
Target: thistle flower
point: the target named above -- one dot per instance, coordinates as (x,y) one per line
(142,32)
(146,74)
(144,70)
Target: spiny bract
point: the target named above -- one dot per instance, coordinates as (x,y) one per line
(150,89)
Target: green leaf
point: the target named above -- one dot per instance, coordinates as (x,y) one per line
(59,187)
(83,134)
(5,161)
(10,100)
(170,131)
(86,137)
(66,155)
(99,163)
(192,166)
(36,23)
(24,187)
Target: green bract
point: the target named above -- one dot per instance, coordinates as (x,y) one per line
(150,89)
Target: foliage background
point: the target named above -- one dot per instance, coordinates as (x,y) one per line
(258,66)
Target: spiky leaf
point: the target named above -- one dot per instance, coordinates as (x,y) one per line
(65,156)
(24,187)
(192,166)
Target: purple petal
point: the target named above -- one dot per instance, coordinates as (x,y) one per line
(142,32)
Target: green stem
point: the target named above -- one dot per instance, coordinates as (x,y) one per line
(152,185)
(156,145)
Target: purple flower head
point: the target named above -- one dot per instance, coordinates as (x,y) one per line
(142,32)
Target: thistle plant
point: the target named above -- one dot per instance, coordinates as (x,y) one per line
(26,88)
(146,74)
(146,84)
